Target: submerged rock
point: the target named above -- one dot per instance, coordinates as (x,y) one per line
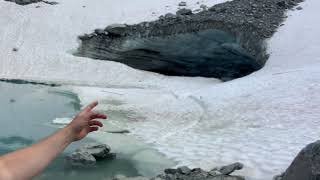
(306,166)
(89,154)
(81,159)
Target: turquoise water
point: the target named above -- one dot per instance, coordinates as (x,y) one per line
(26,114)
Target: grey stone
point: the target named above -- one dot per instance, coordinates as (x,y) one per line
(226,170)
(99,31)
(299,8)
(99,151)
(306,166)
(89,154)
(184,12)
(81,159)
(116,29)
(183,3)
(184,170)
(170,171)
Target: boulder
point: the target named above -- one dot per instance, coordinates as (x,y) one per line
(99,151)
(183,3)
(116,29)
(81,159)
(184,170)
(306,166)
(226,170)
(184,12)
(89,154)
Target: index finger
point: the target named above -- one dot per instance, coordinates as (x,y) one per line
(91,106)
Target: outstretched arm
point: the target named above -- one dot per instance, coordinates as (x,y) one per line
(30,161)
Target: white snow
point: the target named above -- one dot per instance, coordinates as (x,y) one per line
(261,120)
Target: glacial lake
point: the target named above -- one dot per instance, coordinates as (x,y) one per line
(27,112)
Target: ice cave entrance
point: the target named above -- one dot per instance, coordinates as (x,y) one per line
(208,53)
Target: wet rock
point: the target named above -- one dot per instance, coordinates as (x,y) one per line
(116,29)
(299,8)
(99,151)
(195,174)
(89,154)
(99,31)
(183,3)
(184,12)
(185,173)
(226,170)
(306,165)
(184,170)
(81,159)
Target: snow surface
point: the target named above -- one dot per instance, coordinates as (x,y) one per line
(261,120)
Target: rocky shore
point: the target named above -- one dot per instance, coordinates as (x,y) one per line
(250,22)
(305,166)
(185,173)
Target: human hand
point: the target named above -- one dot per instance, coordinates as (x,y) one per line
(85,122)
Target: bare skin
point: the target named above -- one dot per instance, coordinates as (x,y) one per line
(30,161)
